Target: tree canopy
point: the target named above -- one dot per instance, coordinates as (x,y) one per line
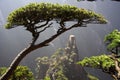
(21,73)
(113,41)
(100,62)
(35,13)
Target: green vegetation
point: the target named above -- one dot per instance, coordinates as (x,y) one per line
(2,70)
(113,41)
(101,62)
(21,73)
(104,62)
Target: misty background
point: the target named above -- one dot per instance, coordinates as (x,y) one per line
(89,39)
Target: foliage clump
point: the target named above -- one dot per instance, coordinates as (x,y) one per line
(101,62)
(113,41)
(21,73)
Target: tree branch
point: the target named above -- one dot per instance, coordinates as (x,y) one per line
(117,68)
(42,25)
(36,34)
(47,41)
(45,28)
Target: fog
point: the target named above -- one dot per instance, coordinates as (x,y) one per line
(89,39)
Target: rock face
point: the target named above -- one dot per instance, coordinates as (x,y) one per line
(74,71)
(62,65)
(72,48)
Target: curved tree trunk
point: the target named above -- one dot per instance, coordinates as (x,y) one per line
(15,63)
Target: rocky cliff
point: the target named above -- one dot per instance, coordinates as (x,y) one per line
(62,64)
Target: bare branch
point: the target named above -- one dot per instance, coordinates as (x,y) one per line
(45,28)
(117,67)
(36,27)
